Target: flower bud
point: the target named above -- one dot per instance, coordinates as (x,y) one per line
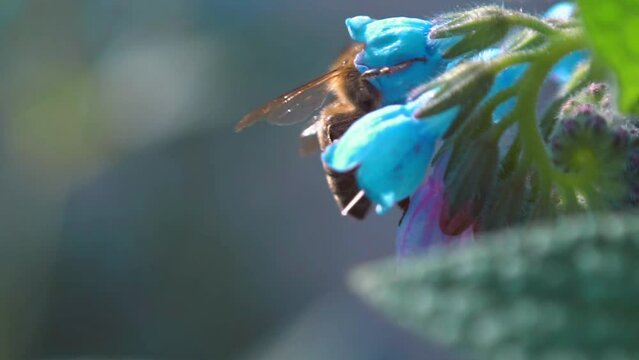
(632,176)
(455,223)
(469,179)
(632,162)
(505,206)
(464,85)
(476,41)
(467,22)
(592,98)
(579,75)
(597,92)
(590,143)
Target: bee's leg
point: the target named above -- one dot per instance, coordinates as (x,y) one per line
(334,124)
(403,205)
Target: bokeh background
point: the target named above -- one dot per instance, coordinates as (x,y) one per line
(134,222)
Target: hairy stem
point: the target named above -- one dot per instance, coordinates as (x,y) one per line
(532,139)
(532,22)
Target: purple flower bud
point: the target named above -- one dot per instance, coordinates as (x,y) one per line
(420,227)
(593,144)
(571,127)
(568,108)
(586,110)
(633,195)
(597,90)
(505,208)
(454,222)
(469,179)
(632,162)
(556,145)
(620,139)
(597,123)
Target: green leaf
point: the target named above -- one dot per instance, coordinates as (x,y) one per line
(567,290)
(612,27)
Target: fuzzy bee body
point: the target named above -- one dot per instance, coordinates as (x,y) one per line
(333,123)
(355,97)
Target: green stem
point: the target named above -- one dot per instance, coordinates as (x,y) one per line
(534,146)
(569,199)
(593,199)
(531,22)
(559,45)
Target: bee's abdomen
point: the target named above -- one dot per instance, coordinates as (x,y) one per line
(344,189)
(333,124)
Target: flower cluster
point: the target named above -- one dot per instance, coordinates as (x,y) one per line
(459,135)
(599,146)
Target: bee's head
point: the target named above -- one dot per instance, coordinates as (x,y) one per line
(392,41)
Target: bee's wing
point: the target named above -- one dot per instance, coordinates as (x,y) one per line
(294,106)
(309,143)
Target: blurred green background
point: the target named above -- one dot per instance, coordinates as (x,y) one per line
(136,224)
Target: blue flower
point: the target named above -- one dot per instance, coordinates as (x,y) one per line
(506,78)
(390,149)
(392,41)
(562,11)
(563,70)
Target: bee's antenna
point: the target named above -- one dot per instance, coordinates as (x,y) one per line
(353,202)
(391,69)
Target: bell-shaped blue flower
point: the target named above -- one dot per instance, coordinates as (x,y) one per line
(506,78)
(562,11)
(390,149)
(390,42)
(563,70)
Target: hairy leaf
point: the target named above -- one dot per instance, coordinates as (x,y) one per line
(566,290)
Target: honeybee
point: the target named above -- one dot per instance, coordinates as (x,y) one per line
(352,97)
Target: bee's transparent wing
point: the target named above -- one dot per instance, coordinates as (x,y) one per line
(293,107)
(309,143)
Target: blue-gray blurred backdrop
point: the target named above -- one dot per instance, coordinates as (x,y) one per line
(134,222)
